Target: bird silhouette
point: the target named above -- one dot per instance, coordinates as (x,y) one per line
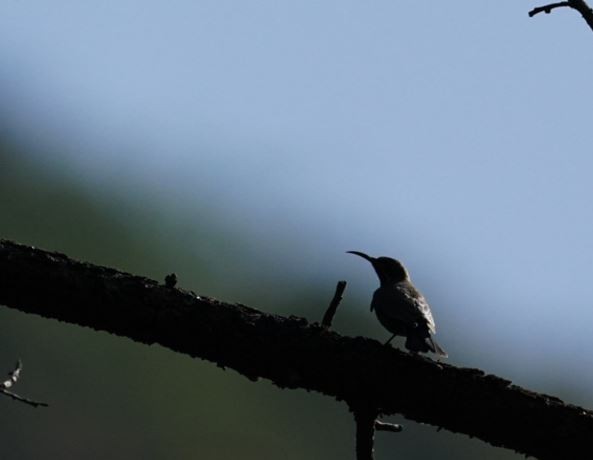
(400,307)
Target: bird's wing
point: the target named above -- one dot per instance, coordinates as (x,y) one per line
(421,310)
(403,303)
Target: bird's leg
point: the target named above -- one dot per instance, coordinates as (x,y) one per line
(390,339)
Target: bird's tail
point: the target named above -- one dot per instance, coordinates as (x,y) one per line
(437,348)
(423,344)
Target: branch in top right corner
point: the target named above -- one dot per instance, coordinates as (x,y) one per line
(548,8)
(580,5)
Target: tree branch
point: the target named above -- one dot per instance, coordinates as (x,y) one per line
(548,8)
(293,353)
(579,5)
(13,378)
(391,427)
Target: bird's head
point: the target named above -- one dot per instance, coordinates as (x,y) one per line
(388,270)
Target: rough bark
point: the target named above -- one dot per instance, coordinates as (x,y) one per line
(294,353)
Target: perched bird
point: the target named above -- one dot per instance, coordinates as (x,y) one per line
(400,307)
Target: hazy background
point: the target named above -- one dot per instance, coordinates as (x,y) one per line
(247,145)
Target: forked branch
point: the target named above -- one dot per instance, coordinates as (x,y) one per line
(13,378)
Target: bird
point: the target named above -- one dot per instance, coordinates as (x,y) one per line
(400,307)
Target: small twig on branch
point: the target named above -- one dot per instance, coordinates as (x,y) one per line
(366,425)
(12,395)
(171,280)
(13,377)
(548,8)
(333,305)
(579,5)
(391,427)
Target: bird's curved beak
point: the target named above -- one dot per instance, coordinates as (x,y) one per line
(362,254)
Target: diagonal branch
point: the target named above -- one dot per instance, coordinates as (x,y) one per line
(293,353)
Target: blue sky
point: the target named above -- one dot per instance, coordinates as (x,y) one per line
(453,136)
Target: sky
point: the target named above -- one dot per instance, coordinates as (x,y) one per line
(453,136)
